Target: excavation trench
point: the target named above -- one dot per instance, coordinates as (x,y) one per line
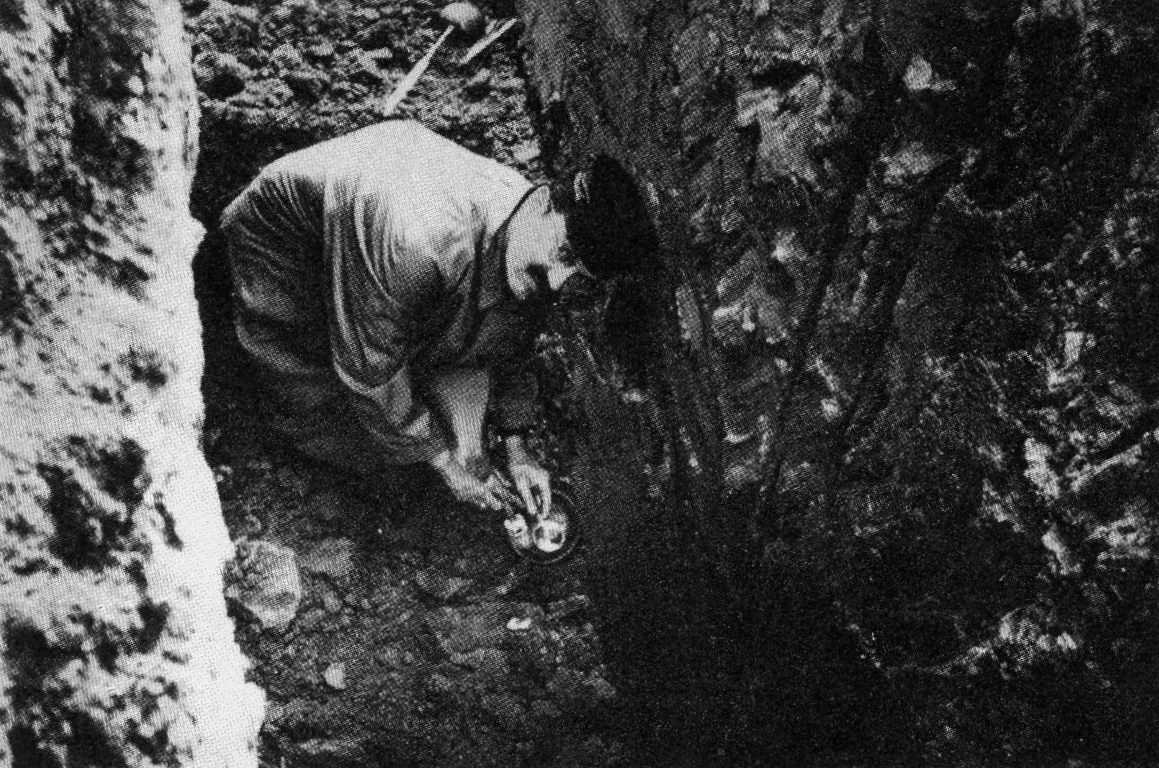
(419,638)
(827,417)
(860,422)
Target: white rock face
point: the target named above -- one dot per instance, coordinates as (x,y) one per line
(110,575)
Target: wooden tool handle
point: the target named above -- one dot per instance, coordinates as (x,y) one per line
(480,46)
(403,88)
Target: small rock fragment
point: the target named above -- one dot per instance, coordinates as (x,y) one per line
(220,75)
(920,77)
(435,583)
(264,585)
(392,657)
(363,69)
(439,688)
(509,84)
(251,526)
(335,676)
(323,51)
(600,687)
(336,752)
(479,83)
(331,603)
(263,94)
(568,606)
(526,153)
(490,662)
(287,57)
(306,84)
(516,624)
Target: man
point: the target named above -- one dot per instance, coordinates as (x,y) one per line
(380,281)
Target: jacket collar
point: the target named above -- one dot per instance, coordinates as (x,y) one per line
(493,286)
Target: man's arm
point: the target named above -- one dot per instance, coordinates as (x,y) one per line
(386,275)
(513,414)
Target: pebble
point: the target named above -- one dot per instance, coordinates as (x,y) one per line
(307,84)
(392,657)
(600,687)
(331,602)
(568,606)
(264,584)
(432,581)
(526,153)
(287,57)
(264,94)
(323,51)
(221,75)
(439,687)
(364,69)
(491,662)
(327,751)
(251,526)
(479,83)
(516,624)
(335,676)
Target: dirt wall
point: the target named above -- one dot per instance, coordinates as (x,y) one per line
(116,648)
(910,245)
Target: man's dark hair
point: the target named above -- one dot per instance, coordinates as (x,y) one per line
(608,225)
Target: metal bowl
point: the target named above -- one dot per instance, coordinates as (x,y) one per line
(544,539)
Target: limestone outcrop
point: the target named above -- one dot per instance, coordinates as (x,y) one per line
(115,647)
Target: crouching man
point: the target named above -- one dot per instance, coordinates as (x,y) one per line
(381,281)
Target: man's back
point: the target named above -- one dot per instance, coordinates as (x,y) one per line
(394,206)
(412,177)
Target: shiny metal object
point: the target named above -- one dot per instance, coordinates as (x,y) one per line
(544,539)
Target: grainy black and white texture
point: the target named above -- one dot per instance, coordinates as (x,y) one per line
(861,425)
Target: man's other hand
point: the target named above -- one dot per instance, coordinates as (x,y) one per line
(531,480)
(463,484)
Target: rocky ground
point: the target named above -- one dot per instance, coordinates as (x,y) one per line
(387,624)
(390,626)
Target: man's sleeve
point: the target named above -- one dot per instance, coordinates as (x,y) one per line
(385,277)
(371,343)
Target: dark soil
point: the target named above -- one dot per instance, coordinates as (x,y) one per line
(454,652)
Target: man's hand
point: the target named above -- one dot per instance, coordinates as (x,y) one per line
(531,479)
(463,484)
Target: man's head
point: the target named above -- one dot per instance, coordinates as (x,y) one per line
(608,224)
(538,254)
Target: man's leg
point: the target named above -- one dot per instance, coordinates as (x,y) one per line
(460,396)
